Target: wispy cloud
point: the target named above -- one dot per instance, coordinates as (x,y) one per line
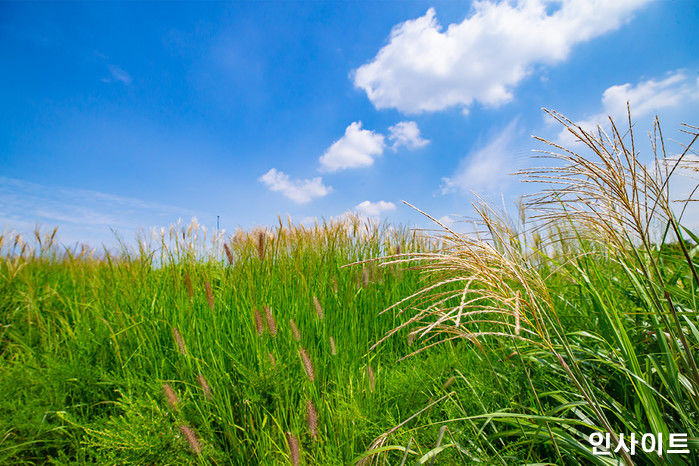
(486,168)
(425,67)
(118,74)
(81,215)
(299,191)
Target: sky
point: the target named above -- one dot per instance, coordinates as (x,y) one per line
(120,116)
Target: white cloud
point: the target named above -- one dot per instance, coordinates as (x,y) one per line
(425,67)
(299,191)
(407,134)
(487,168)
(645,98)
(374,209)
(368,211)
(447,220)
(357,148)
(119,74)
(360,147)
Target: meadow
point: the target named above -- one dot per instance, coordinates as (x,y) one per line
(355,341)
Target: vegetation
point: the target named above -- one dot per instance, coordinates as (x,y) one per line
(350,341)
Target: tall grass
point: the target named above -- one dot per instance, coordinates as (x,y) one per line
(509,345)
(193,347)
(597,288)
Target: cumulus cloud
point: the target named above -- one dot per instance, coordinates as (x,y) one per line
(425,67)
(646,98)
(299,191)
(367,211)
(360,147)
(356,148)
(486,168)
(406,134)
(374,209)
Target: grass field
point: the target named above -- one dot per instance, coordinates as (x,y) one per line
(267,347)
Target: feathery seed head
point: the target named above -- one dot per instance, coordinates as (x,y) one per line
(229,254)
(170,396)
(259,323)
(191,438)
(209,295)
(294,451)
(312,417)
(370,375)
(204,386)
(294,330)
(188,285)
(319,308)
(261,245)
(179,341)
(307,365)
(271,324)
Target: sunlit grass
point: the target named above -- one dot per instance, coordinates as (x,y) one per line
(350,341)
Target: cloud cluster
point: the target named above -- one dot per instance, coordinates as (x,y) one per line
(299,191)
(360,147)
(357,148)
(425,67)
(645,98)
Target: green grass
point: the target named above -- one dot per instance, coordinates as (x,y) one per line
(87,346)
(510,349)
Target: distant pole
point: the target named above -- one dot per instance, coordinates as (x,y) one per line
(218,223)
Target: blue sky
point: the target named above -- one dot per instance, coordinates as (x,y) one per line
(127,115)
